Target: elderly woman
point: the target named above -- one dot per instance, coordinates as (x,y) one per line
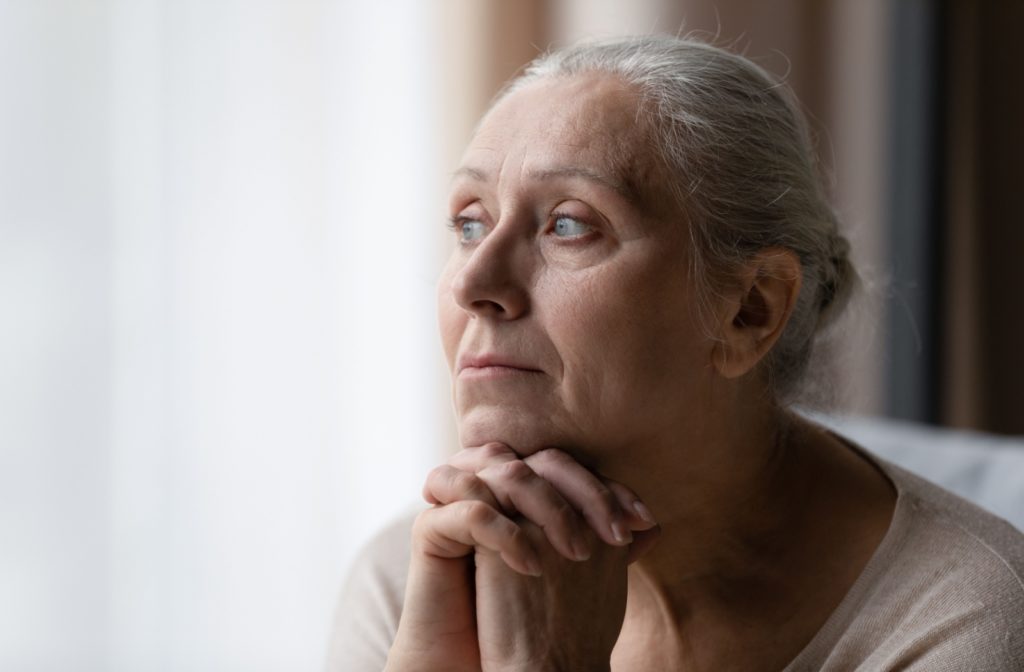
(644,260)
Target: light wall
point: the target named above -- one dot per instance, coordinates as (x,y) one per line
(218,363)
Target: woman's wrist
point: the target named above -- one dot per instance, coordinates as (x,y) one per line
(411,664)
(552,666)
(405,658)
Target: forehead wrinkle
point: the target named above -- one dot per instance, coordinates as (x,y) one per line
(621,150)
(609,147)
(472,173)
(623,187)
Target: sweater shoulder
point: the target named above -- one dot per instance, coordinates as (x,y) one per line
(368,610)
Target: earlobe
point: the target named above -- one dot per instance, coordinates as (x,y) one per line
(756,312)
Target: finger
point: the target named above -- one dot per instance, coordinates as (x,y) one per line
(478,458)
(519,489)
(586,492)
(458,529)
(639,517)
(446,484)
(643,541)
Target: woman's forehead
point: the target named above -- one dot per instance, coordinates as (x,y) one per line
(588,126)
(580,111)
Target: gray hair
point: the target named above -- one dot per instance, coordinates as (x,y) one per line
(742,166)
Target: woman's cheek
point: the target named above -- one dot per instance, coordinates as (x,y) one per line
(450,317)
(588,252)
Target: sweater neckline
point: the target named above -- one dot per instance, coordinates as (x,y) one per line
(824,640)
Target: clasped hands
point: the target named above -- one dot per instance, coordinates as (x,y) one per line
(519,565)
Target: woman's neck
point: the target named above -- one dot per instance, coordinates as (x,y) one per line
(725,496)
(748,511)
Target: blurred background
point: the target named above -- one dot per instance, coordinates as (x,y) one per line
(220,227)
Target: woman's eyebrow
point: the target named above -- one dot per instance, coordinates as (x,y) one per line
(473,173)
(623,188)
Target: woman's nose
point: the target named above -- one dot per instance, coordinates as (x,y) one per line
(494,280)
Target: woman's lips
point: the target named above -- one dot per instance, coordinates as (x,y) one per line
(491,366)
(494,371)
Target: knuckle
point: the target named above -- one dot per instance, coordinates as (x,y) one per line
(477,513)
(517,536)
(566,513)
(459,479)
(466,483)
(422,523)
(556,453)
(504,473)
(515,470)
(434,485)
(437,473)
(604,498)
(493,451)
(549,456)
(551,460)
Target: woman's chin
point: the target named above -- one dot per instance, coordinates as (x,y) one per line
(523,432)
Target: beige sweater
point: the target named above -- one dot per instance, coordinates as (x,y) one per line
(943,591)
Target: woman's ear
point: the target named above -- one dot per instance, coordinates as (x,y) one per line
(756,311)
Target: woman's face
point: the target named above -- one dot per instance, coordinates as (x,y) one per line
(565,310)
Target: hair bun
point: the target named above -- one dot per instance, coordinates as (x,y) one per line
(837,279)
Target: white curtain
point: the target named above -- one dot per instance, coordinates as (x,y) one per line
(219,373)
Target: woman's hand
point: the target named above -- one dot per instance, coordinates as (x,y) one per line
(546,513)
(586,529)
(437,631)
(552,490)
(569,618)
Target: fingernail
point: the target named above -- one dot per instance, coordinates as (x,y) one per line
(621,533)
(643,512)
(533,566)
(581,550)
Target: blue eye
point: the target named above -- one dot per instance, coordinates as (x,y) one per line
(569,226)
(471,230)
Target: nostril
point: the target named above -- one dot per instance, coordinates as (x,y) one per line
(493,282)
(504,303)
(488,306)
